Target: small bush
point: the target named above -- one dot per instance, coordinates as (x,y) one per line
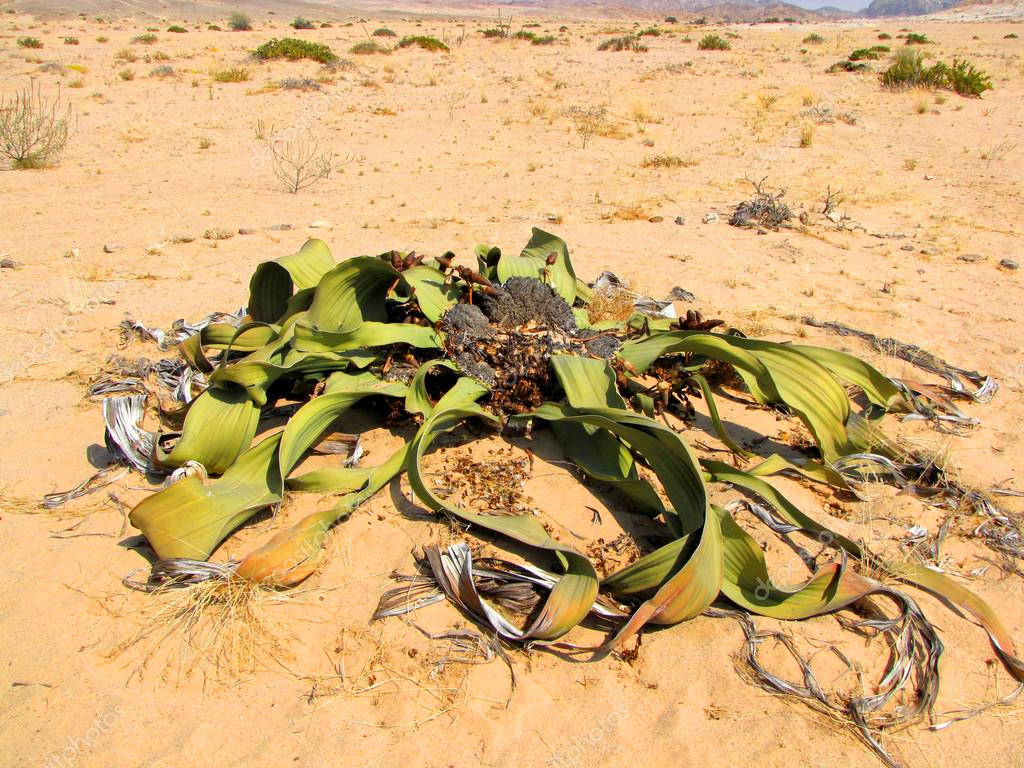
(230,75)
(293,49)
(178,30)
(671,20)
(102,39)
(665,161)
(885,36)
(384,32)
(848,66)
(493,32)
(70,41)
(148,39)
(771,20)
(1010,36)
(164,70)
(963,78)
(126,54)
(522,34)
(161,56)
(864,53)
(713,43)
(623,43)
(213,28)
(649,32)
(544,40)
(813,39)
(300,23)
(881,48)
(29,42)
(368,48)
(239,22)
(33,129)
(126,74)
(425,42)
(908,71)
(299,84)
(914,38)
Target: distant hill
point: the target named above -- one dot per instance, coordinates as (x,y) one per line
(908,7)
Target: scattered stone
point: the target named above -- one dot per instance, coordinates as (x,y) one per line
(762,231)
(680,220)
(9,264)
(1009,264)
(112,248)
(970,258)
(656,219)
(906,247)
(320,224)
(928,252)
(886,287)
(680,294)
(175,239)
(155,248)
(218,234)
(246,231)
(928,177)
(710,218)
(279,227)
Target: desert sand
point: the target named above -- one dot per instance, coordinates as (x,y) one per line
(443,151)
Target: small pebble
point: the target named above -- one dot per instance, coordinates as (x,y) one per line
(906,247)
(112,247)
(680,220)
(1009,264)
(320,224)
(182,239)
(656,219)
(710,218)
(279,227)
(9,264)
(970,258)
(246,231)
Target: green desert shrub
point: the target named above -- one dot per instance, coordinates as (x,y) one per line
(623,43)
(368,48)
(713,43)
(294,49)
(425,42)
(33,128)
(70,41)
(29,42)
(230,75)
(384,32)
(848,66)
(813,39)
(864,53)
(908,70)
(885,36)
(300,23)
(176,29)
(544,40)
(914,38)
(239,22)
(147,39)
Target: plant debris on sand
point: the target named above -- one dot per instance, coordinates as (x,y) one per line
(508,343)
(764,209)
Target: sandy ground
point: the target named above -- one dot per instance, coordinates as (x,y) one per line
(446,151)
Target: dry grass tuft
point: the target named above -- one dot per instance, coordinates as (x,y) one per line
(221,626)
